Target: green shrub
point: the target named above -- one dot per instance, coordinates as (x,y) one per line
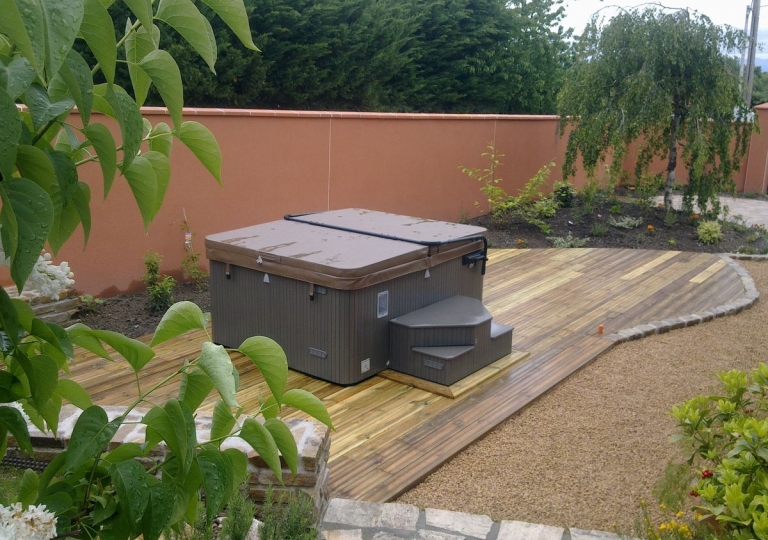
(495,194)
(598,229)
(159,288)
(293,519)
(625,222)
(89,304)
(523,205)
(190,264)
(615,208)
(728,432)
(564,192)
(670,218)
(546,208)
(239,516)
(672,242)
(567,242)
(709,232)
(647,187)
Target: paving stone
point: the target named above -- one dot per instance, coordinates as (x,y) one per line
(343,534)
(582,534)
(389,536)
(646,329)
(436,535)
(520,530)
(468,524)
(365,514)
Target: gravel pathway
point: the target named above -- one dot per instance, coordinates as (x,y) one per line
(587,452)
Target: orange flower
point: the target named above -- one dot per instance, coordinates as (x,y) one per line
(651,229)
(694,217)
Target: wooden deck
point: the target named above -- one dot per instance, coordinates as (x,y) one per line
(389,435)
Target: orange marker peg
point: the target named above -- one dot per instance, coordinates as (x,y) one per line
(600,330)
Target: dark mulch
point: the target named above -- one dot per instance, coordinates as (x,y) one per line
(130,315)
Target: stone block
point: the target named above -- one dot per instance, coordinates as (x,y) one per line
(436,535)
(468,524)
(520,530)
(343,534)
(646,329)
(582,534)
(366,514)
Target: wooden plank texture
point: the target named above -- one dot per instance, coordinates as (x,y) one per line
(390,434)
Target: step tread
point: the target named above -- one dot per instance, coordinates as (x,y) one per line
(450,352)
(456,311)
(498,330)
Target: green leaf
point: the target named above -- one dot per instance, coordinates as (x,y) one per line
(92,432)
(82,202)
(176,426)
(165,74)
(34,164)
(162,168)
(143,183)
(195,387)
(104,144)
(42,109)
(130,480)
(45,380)
(9,226)
(65,345)
(12,420)
(270,408)
(136,353)
(77,76)
(24,312)
(65,221)
(217,472)
(184,17)
(222,421)
(239,463)
(25,27)
(139,44)
(310,404)
(203,144)
(9,135)
(131,125)
(217,364)
(83,336)
(124,452)
(261,440)
(66,175)
(160,139)
(28,488)
(103,99)
(98,31)
(50,412)
(142,9)
(11,388)
(9,320)
(270,358)
(74,393)
(233,13)
(285,442)
(19,75)
(157,516)
(62,20)
(33,212)
(180,318)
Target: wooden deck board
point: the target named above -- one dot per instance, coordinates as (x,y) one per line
(391,435)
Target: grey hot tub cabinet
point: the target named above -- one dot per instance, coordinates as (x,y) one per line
(326,286)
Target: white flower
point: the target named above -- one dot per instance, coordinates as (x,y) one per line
(34,523)
(46,277)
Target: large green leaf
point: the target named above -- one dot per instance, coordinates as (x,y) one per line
(9,134)
(42,109)
(143,183)
(217,364)
(105,147)
(11,388)
(233,13)
(203,144)
(184,17)
(82,203)
(157,516)
(262,441)
(9,319)
(12,420)
(33,212)
(142,9)
(46,377)
(98,31)
(176,426)
(34,164)
(91,433)
(28,488)
(239,465)
(130,480)
(139,44)
(51,412)
(124,452)
(285,442)
(19,74)
(66,175)
(83,336)
(103,100)
(161,139)
(62,19)
(222,421)
(77,76)
(74,393)
(180,318)
(195,387)
(65,221)
(165,75)
(22,21)
(131,125)
(162,168)
(9,226)
(217,472)
(136,353)
(270,358)
(310,404)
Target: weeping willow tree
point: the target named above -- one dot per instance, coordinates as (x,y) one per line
(661,80)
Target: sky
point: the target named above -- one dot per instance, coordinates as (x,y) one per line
(730,12)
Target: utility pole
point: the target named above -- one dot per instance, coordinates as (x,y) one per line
(752,51)
(743,61)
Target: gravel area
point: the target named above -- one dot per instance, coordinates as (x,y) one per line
(587,452)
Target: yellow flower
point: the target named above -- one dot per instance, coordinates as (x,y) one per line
(679,514)
(662,506)
(663,527)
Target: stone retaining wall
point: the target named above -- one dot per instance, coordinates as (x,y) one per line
(54,310)
(312,440)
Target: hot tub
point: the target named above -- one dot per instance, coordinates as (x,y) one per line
(325,286)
